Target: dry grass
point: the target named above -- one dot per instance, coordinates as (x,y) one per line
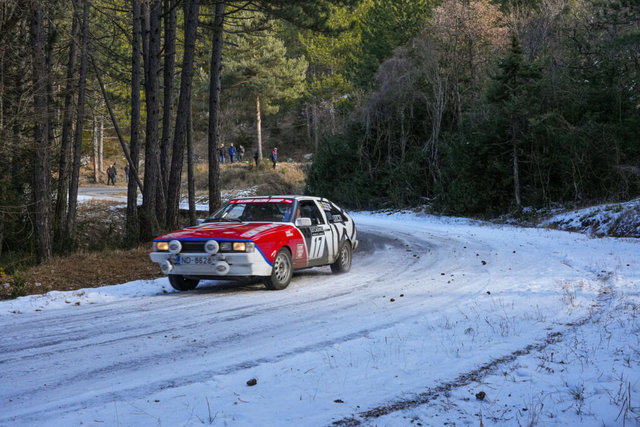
(84,270)
(287,178)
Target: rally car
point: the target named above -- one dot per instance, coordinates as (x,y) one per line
(267,237)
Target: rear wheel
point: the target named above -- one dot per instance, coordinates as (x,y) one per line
(343,262)
(281,272)
(181,283)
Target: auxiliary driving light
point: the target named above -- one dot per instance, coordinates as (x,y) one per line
(211,247)
(166,267)
(175,247)
(222,268)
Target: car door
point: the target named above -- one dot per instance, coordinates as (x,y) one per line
(316,235)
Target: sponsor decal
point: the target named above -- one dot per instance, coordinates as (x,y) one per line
(299,250)
(278,200)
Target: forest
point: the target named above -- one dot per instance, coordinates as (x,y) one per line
(465,107)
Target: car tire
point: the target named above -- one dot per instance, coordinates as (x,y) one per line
(343,262)
(181,283)
(281,272)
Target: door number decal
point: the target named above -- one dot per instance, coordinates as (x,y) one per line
(317,247)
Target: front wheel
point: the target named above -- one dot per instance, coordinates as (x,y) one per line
(181,283)
(343,262)
(281,272)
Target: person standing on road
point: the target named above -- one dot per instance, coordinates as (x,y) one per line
(126,172)
(109,177)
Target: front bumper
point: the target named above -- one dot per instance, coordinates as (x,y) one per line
(218,265)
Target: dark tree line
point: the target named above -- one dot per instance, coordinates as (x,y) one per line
(538,108)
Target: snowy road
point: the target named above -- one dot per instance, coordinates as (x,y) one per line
(399,339)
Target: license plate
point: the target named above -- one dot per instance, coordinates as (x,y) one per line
(196,260)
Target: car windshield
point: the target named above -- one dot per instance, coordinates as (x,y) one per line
(261,211)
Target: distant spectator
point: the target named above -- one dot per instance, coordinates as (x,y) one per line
(232,153)
(126,172)
(274,156)
(256,156)
(221,153)
(241,153)
(114,173)
(109,177)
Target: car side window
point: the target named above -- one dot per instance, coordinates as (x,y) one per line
(309,209)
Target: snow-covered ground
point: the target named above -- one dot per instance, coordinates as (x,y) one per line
(618,219)
(439,322)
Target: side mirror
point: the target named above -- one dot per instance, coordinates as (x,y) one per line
(303,222)
(200,221)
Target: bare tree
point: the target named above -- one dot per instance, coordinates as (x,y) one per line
(214,107)
(190,171)
(60,214)
(149,226)
(42,146)
(182,117)
(167,104)
(133,231)
(77,149)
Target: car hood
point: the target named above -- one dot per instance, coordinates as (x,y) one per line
(226,230)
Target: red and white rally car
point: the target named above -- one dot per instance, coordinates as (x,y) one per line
(267,237)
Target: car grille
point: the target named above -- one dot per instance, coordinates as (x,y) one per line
(192,246)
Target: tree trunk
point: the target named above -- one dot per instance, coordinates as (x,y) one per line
(259,127)
(101,145)
(94,143)
(182,117)
(516,173)
(314,115)
(60,214)
(1,231)
(307,114)
(214,107)
(75,172)
(149,226)
(42,147)
(133,230)
(168,73)
(190,170)
(114,121)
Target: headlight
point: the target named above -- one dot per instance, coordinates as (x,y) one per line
(162,246)
(243,246)
(237,246)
